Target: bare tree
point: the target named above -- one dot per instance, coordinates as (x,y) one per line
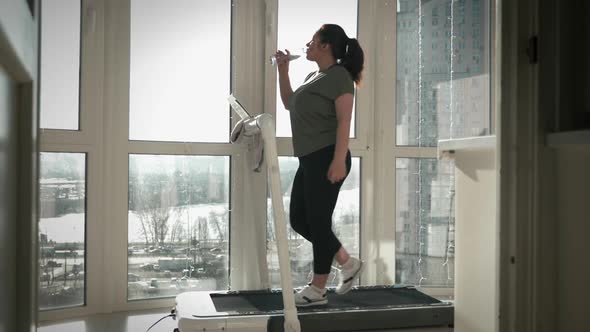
(203,230)
(177,231)
(145,229)
(154,203)
(219,221)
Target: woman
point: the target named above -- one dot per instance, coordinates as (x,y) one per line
(320,112)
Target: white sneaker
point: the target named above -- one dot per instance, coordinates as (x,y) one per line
(310,296)
(349,275)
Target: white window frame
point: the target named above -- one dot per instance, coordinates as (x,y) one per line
(87,140)
(103,136)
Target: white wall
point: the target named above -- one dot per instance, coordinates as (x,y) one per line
(573,248)
(564,104)
(476,237)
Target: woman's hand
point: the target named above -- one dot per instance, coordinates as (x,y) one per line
(282,59)
(337,171)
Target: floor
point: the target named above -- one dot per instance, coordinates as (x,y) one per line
(141,321)
(116,322)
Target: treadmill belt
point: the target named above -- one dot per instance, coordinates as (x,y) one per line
(258,302)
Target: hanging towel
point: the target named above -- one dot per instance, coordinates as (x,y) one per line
(253,139)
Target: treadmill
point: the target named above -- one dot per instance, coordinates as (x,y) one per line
(363,308)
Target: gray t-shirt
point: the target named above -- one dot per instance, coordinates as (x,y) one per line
(313,111)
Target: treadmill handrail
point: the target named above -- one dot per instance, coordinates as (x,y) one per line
(272,162)
(265,124)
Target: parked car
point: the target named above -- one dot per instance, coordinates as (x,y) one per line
(154,283)
(76,276)
(149,267)
(154,286)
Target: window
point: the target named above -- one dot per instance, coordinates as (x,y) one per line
(178,224)
(62,230)
(294,32)
(425,221)
(60,64)
(420,117)
(63,168)
(441,93)
(178,235)
(346,226)
(142,191)
(179,70)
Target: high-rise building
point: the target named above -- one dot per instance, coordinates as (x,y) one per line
(442,92)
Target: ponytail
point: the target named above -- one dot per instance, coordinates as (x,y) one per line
(354,59)
(346,51)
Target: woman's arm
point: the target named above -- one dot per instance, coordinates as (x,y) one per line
(344,104)
(284,81)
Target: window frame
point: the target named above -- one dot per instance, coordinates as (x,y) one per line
(58,148)
(103,136)
(121,147)
(85,140)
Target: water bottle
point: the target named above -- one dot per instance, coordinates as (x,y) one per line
(297,55)
(291,57)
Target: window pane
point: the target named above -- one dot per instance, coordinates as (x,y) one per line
(178,224)
(442,70)
(180,70)
(62,231)
(425,224)
(346,226)
(60,64)
(297,24)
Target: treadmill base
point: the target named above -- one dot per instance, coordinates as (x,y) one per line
(364,308)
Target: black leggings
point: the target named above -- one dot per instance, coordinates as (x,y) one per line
(313,198)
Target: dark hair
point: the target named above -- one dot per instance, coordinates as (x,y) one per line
(347,51)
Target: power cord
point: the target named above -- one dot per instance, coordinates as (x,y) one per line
(172,314)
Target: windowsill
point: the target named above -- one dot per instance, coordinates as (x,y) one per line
(447,147)
(579,138)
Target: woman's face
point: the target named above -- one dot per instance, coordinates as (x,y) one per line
(315,48)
